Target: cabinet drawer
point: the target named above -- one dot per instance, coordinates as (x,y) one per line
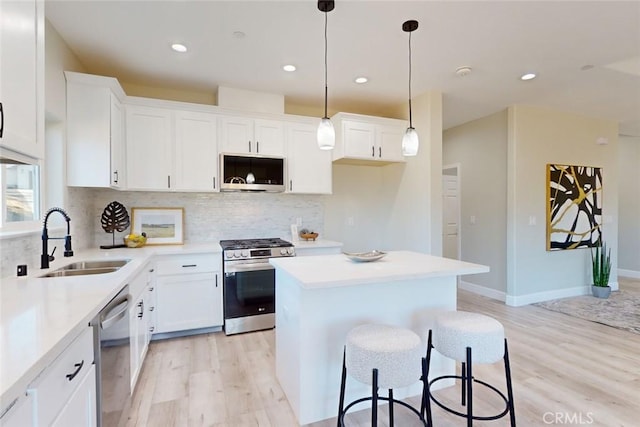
(56,384)
(184,264)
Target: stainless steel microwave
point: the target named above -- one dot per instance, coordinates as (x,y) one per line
(251,172)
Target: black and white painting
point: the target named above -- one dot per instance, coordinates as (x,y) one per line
(574,207)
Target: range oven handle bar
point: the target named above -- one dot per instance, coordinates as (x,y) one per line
(254,266)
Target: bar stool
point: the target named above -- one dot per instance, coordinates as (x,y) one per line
(468,338)
(382,356)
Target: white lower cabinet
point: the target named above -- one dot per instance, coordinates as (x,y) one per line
(66,390)
(80,409)
(21,413)
(139,323)
(188,292)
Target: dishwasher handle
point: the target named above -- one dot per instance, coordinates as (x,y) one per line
(112,315)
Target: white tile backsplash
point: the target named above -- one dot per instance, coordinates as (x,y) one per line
(209,217)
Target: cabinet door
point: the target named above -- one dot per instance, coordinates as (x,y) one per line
(117,143)
(80,409)
(188,301)
(359,139)
(148,148)
(236,135)
(18,77)
(138,319)
(196,151)
(309,167)
(390,143)
(269,137)
(21,414)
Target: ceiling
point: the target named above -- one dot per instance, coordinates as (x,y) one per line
(586,54)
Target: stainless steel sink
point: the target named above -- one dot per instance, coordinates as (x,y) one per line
(84,265)
(84,268)
(84,272)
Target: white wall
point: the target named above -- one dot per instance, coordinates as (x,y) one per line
(480,147)
(629,193)
(537,137)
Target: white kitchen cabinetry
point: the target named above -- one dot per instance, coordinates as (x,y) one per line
(170,149)
(196,151)
(188,292)
(95,131)
(21,413)
(149,146)
(139,322)
(309,167)
(367,139)
(246,135)
(66,390)
(22,76)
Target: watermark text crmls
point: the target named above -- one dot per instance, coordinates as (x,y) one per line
(568,418)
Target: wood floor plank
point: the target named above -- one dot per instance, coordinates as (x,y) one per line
(565,371)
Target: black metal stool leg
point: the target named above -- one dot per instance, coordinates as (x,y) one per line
(390,407)
(507,372)
(342,386)
(426,398)
(374,399)
(469,381)
(463,378)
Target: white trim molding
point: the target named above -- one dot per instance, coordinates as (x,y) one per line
(483,290)
(629,273)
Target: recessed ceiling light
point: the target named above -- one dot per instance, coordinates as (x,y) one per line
(179,47)
(528,76)
(238,34)
(361,80)
(289,67)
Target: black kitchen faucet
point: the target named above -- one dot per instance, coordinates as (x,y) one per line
(45,258)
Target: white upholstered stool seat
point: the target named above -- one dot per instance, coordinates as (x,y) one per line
(454,331)
(394,352)
(469,338)
(382,356)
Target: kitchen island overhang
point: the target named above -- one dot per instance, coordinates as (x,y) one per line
(320,298)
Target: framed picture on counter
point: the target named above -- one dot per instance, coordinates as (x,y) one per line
(163,226)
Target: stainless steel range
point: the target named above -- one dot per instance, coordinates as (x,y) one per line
(250,283)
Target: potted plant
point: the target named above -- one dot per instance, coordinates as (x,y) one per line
(601,269)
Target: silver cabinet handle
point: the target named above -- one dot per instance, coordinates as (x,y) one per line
(115,177)
(379,151)
(249,146)
(189,265)
(257,146)
(373,151)
(1,119)
(78,367)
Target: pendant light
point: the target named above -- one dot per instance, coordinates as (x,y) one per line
(410,140)
(326,132)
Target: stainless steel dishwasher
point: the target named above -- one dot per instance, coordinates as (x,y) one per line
(113,361)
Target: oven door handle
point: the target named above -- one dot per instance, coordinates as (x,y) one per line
(254,266)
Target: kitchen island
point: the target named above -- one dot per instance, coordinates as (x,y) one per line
(319,299)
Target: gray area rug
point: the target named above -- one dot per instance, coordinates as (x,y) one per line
(621,310)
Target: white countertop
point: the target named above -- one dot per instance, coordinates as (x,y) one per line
(337,270)
(40,317)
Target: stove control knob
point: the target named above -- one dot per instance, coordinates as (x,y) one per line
(236,254)
(245,254)
(291,252)
(283,251)
(229,254)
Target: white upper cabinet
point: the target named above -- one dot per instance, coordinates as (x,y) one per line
(95,131)
(149,148)
(170,149)
(196,151)
(367,139)
(309,167)
(247,135)
(22,76)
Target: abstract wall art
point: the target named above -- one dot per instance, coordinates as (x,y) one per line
(574,207)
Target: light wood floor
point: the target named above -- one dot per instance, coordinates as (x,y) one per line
(566,371)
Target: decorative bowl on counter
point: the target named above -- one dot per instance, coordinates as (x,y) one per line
(373,255)
(309,236)
(135,240)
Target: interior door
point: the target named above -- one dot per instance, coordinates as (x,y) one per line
(450,217)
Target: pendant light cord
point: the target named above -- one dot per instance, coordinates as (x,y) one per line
(410,118)
(325,66)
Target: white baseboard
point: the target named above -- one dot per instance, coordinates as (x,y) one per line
(483,290)
(629,273)
(517,301)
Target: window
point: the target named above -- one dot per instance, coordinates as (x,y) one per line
(19,191)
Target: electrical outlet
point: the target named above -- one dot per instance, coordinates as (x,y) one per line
(299,222)
(350,221)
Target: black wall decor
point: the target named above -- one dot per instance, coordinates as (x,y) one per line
(114,218)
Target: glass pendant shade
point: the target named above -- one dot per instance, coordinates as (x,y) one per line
(410,142)
(326,134)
